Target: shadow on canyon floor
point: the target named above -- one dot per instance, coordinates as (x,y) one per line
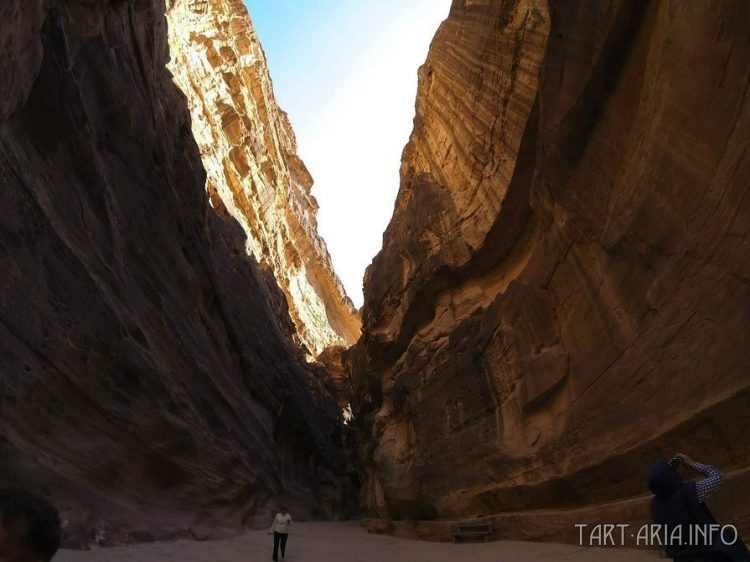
(318,542)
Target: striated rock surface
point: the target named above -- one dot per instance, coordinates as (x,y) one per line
(254,174)
(332,360)
(22,51)
(562,296)
(148,378)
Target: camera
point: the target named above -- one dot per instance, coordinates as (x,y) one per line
(674,461)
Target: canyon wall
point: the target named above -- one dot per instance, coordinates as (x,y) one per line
(149,381)
(254,174)
(562,296)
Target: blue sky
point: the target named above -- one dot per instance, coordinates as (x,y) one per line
(346,73)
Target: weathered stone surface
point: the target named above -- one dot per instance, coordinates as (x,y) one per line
(254,174)
(338,377)
(562,295)
(148,378)
(21,48)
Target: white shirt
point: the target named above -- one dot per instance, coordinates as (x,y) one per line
(281,523)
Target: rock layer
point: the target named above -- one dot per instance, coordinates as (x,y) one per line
(150,384)
(562,295)
(254,174)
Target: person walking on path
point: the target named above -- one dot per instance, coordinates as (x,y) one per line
(280,530)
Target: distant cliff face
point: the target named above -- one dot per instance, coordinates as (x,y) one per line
(148,378)
(254,174)
(562,295)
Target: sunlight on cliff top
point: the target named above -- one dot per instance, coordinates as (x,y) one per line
(346,73)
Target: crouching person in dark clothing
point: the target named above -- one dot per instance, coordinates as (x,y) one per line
(679,508)
(29,527)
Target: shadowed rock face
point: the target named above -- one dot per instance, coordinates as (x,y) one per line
(562,295)
(149,382)
(254,174)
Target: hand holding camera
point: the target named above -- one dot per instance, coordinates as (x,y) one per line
(681,458)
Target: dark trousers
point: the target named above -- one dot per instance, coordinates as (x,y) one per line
(279,539)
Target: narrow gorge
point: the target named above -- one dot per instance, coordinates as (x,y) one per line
(562,296)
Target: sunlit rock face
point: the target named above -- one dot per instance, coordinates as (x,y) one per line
(149,382)
(254,174)
(562,296)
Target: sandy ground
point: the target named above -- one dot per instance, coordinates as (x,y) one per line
(348,542)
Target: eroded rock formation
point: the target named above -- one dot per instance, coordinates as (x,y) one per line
(562,296)
(254,174)
(149,381)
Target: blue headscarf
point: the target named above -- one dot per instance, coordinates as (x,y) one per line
(663,480)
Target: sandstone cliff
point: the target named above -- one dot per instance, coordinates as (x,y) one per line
(254,173)
(562,296)
(148,378)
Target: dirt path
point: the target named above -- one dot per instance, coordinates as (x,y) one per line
(348,542)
